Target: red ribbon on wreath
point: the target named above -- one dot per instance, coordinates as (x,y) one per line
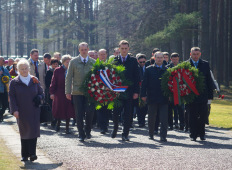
(178,76)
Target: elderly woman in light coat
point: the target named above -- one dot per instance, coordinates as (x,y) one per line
(25,96)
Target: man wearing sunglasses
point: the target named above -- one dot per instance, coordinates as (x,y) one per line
(141,110)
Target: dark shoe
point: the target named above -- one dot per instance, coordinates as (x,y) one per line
(155,132)
(114,134)
(151,137)
(81,138)
(141,126)
(125,138)
(193,139)
(88,136)
(171,128)
(103,132)
(176,126)
(33,158)
(57,128)
(67,131)
(163,140)
(74,122)
(181,127)
(24,159)
(186,130)
(202,138)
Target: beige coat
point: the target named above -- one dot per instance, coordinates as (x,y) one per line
(41,70)
(76,75)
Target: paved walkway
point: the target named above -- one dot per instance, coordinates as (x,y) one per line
(61,151)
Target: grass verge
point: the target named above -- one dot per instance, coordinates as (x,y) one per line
(8,161)
(221,114)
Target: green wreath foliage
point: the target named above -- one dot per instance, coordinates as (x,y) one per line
(198,76)
(119,72)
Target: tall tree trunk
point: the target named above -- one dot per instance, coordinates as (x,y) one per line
(86,19)
(220,52)
(47,12)
(1,51)
(205,48)
(226,56)
(230,41)
(29,26)
(213,36)
(34,22)
(21,30)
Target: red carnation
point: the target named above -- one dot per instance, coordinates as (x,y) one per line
(96,87)
(89,85)
(113,72)
(118,78)
(91,95)
(119,83)
(89,91)
(101,86)
(170,78)
(222,97)
(96,98)
(108,71)
(111,99)
(114,78)
(94,82)
(96,93)
(101,101)
(101,91)
(92,78)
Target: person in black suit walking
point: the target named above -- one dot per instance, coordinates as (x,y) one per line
(198,108)
(131,73)
(142,110)
(152,94)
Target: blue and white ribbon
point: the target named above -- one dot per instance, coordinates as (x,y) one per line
(105,79)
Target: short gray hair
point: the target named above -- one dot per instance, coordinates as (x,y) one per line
(159,52)
(23,62)
(82,44)
(102,50)
(65,57)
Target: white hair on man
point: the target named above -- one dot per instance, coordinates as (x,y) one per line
(102,50)
(23,62)
(65,57)
(83,44)
(159,53)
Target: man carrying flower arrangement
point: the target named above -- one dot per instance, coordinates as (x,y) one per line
(198,108)
(76,73)
(152,94)
(4,75)
(131,74)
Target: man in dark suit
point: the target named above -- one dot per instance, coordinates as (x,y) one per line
(149,62)
(166,58)
(178,110)
(142,110)
(131,73)
(156,101)
(198,108)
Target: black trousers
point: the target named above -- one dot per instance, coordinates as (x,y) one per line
(28,147)
(127,106)
(103,118)
(83,110)
(197,119)
(3,102)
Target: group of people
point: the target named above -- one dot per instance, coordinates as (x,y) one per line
(57,81)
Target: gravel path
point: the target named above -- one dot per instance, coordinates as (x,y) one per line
(102,152)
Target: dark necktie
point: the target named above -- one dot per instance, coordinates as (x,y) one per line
(84,61)
(36,71)
(123,60)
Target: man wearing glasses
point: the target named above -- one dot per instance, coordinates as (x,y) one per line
(141,111)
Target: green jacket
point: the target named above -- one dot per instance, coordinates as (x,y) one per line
(76,74)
